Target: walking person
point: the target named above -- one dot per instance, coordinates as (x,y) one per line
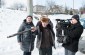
(45,37)
(26,40)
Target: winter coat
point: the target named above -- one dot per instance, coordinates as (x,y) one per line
(27,38)
(39,35)
(50,24)
(74,33)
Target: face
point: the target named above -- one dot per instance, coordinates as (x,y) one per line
(29,19)
(44,24)
(73,21)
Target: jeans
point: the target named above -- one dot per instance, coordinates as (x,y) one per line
(45,51)
(68,52)
(27,53)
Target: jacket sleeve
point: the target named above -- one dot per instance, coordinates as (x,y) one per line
(37,30)
(37,27)
(51,24)
(75,33)
(20,29)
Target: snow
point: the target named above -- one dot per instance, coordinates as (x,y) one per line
(10,20)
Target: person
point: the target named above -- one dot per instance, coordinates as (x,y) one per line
(45,37)
(26,40)
(49,21)
(74,33)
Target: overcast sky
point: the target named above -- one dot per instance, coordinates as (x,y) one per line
(69,3)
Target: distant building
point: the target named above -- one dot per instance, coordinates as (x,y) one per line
(58,9)
(39,9)
(75,11)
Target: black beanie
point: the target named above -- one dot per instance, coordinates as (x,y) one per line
(76,17)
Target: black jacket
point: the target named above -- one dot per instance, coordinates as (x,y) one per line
(39,34)
(74,33)
(27,38)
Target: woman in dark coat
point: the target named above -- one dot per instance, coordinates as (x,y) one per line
(26,39)
(74,33)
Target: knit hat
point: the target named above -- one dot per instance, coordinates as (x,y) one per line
(29,16)
(76,17)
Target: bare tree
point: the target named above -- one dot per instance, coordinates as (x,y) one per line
(66,10)
(21,6)
(50,4)
(18,6)
(53,8)
(82,8)
(83,5)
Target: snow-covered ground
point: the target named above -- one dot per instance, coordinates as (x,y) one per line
(10,20)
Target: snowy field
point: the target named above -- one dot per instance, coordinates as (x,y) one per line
(10,20)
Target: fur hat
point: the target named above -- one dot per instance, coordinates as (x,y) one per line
(44,19)
(76,17)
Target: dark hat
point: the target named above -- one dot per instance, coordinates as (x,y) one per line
(29,16)
(76,17)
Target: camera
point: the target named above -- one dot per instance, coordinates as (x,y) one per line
(61,23)
(61,29)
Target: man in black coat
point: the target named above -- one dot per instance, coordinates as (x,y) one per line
(74,33)
(45,37)
(26,40)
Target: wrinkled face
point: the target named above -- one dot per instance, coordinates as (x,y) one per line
(73,21)
(29,19)
(44,24)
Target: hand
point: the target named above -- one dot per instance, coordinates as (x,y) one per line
(33,29)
